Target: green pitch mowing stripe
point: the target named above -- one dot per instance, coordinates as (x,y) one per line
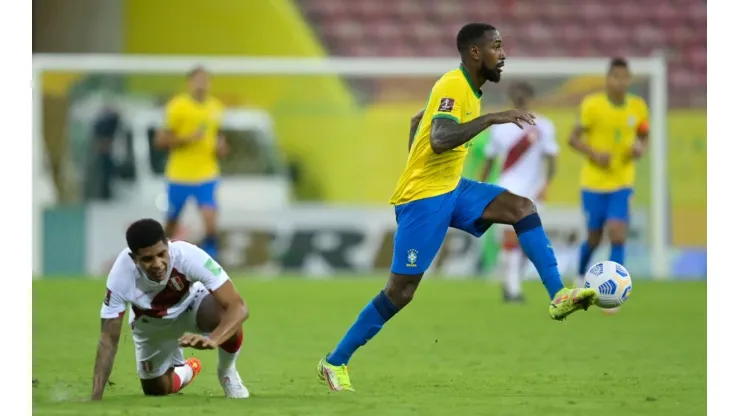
(457,350)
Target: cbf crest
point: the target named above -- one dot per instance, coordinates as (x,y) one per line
(412,255)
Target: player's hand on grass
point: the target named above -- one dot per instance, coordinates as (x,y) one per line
(198,342)
(601,159)
(518,117)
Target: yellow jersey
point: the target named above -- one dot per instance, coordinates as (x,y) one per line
(611,129)
(195,162)
(428,174)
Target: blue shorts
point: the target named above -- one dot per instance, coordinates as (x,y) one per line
(178,195)
(422,224)
(600,207)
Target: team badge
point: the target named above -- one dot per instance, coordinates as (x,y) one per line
(412,255)
(176,283)
(446,105)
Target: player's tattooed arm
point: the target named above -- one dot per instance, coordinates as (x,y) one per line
(447,134)
(110,333)
(415,120)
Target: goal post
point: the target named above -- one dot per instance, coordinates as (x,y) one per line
(653,68)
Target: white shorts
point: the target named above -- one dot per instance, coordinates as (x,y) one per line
(156,340)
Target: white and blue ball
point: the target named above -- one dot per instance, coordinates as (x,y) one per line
(612,281)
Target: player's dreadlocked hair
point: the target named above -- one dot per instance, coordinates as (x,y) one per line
(618,63)
(471,34)
(144,233)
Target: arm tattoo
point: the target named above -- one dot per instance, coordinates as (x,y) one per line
(447,135)
(107,347)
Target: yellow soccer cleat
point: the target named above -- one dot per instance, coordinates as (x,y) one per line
(567,301)
(336,376)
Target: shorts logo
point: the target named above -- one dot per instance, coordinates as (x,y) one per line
(631,121)
(412,255)
(446,105)
(146,366)
(106,301)
(176,283)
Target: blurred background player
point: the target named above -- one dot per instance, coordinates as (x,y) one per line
(178,297)
(191,134)
(523,152)
(612,133)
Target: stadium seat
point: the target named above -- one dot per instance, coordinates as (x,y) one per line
(530,28)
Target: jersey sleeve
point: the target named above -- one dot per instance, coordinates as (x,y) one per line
(114,303)
(493,147)
(447,98)
(173,114)
(200,267)
(549,143)
(587,110)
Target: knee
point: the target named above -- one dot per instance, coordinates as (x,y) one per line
(594,238)
(401,295)
(522,208)
(617,233)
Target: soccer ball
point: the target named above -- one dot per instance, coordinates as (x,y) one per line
(612,281)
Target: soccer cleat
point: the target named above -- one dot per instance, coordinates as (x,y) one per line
(567,301)
(336,376)
(193,363)
(233,386)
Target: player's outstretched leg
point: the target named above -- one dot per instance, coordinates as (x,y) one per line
(174,380)
(397,293)
(208,318)
(422,226)
(521,212)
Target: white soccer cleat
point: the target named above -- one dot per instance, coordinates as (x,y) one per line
(233,386)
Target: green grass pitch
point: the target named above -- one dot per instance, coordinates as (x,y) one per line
(456,350)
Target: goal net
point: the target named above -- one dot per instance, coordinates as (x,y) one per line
(315,145)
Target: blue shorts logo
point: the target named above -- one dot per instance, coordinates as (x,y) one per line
(412,255)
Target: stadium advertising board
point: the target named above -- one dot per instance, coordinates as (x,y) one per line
(322,240)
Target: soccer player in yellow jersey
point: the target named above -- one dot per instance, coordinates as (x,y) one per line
(612,133)
(432,196)
(191,133)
